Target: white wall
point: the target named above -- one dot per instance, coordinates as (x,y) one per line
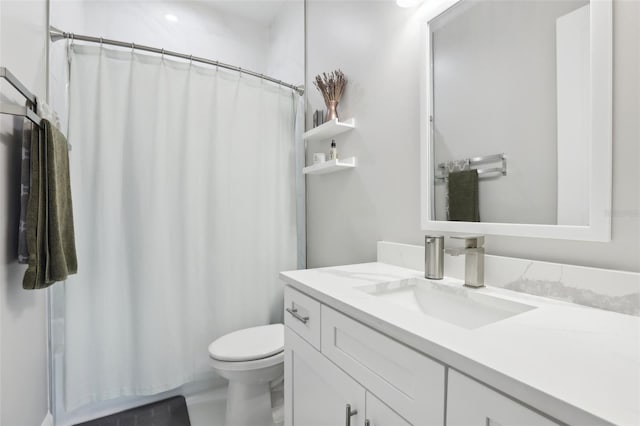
(377,45)
(285,59)
(200,30)
(23,347)
(267,38)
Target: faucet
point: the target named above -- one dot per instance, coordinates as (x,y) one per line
(473,261)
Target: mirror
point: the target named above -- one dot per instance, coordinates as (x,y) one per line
(517,119)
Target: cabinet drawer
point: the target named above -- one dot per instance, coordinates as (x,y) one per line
(470,403)
(405,379)
(302,315)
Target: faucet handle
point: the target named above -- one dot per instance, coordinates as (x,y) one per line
(470,241)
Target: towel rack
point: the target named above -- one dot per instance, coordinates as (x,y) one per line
(28,111)
(477,161)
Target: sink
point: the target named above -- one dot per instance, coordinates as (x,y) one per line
(450,302)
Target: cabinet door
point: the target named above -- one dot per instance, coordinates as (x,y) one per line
(408,381)
(378,414)
(316,391)
(470,403)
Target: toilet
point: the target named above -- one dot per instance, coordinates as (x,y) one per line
(250,359)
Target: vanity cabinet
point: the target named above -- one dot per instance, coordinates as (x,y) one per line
(470,403)
(408,381)
(332,360)
(318,393)
(354,365)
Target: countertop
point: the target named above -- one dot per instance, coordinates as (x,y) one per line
(578,364)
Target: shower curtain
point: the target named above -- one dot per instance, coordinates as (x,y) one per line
(183,183)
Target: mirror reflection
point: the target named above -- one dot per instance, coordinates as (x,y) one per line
(511,126)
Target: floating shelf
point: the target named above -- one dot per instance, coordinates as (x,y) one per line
(330,166)
(329,129)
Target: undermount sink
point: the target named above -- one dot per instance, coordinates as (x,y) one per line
(453,303)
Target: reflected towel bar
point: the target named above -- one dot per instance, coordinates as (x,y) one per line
(482,172)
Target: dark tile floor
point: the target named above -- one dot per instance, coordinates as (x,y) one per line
(168,412)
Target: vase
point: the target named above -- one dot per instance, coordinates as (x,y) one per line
(332,110)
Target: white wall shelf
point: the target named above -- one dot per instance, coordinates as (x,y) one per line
(329,129)
(330,166)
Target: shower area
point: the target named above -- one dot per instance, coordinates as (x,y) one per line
(187,190)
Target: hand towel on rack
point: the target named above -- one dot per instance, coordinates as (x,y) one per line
(44,111)
(50,233)
(463,196)
(453,166)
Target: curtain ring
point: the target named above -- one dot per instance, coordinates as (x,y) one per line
(133,46)
(240,70)
(162,53)
(217,63)
(101,40)
(190,59)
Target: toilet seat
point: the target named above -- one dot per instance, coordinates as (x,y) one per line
(249,344)
(248,366)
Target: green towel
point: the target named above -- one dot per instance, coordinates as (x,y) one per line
(463,196)
(49,220)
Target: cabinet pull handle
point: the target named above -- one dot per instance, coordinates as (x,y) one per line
(367,422)
(349,413)
(294,312)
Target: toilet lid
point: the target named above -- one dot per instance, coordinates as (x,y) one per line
(249,344)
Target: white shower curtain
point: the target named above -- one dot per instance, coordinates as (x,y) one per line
(183,183)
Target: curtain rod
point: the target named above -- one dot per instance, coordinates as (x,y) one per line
(56,34)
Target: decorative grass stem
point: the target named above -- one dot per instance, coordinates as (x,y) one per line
(332,87)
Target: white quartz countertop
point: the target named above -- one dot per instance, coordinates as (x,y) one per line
(577,364)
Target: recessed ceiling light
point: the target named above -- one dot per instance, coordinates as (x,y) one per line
(408,3)
(171,18)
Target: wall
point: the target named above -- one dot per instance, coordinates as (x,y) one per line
(266,38)
(200,29)
(377,45)
(285,59)
(23,344)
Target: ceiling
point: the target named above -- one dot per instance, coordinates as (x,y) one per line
(259,11)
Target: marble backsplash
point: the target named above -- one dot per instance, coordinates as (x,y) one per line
(612,290)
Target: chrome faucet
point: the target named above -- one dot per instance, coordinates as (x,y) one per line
(473,261)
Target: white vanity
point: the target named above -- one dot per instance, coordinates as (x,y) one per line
(361,348)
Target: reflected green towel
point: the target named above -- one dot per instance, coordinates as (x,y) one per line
(49,219)
(463,196)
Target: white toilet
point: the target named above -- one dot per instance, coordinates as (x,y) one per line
(250,359)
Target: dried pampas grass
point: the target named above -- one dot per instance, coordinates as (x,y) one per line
(331,85)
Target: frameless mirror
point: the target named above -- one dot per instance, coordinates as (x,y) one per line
(517,119)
